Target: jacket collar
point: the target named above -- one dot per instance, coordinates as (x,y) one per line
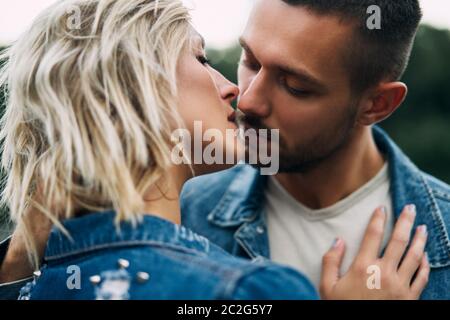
(410,186)
(243,200)
(97,231)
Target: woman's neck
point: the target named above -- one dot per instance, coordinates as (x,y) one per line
(163,199)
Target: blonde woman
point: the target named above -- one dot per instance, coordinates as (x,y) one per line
(91,184)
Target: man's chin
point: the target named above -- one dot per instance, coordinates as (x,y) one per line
(287,164)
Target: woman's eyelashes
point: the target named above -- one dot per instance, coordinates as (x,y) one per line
(203,60)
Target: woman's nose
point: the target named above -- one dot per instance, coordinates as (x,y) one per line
(229,91)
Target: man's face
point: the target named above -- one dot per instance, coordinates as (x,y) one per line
(292,77)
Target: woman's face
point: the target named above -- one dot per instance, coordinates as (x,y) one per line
(205,98)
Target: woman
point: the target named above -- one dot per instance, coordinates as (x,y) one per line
(87,149)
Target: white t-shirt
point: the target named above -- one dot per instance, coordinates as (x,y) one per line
(299,236)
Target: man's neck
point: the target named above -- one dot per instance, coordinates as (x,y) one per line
(337,177)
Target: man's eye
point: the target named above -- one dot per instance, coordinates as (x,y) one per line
(250,65)
(295,91)
(203,60)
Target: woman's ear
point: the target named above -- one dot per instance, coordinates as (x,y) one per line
(381,102)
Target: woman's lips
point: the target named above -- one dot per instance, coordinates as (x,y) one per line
(232,117)
(237,117)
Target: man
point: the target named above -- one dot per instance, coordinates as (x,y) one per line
(318,72)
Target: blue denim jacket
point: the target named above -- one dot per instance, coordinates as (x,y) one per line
(155,260)
(229,210)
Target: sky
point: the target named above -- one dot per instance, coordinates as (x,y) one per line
(219,21)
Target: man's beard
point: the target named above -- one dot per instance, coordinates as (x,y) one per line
(306,156)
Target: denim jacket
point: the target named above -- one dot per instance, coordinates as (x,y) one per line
(229,210)
(154,260)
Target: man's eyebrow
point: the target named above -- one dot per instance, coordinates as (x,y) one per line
(245,46)
(300,74)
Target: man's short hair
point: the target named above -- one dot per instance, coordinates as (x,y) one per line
(374,54)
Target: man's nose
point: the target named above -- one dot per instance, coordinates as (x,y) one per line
(253,99)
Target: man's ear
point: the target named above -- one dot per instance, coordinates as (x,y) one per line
(381,102)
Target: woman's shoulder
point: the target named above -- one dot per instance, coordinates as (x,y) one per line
(156,260)
(146,272)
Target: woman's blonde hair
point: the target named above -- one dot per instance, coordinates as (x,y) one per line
(90,108)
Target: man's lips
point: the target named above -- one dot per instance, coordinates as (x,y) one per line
(238,118)
(260,133)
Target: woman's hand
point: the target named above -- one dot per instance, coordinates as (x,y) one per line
(400,278)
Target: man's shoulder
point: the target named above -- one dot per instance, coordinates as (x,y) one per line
(409,181)
(441,193)
(440,189)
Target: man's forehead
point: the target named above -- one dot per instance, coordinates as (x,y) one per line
(278,21)
(297,36)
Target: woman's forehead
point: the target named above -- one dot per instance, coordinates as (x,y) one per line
(197,39)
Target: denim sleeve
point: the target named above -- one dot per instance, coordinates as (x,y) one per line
(274,283)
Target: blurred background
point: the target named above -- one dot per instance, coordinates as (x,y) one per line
(421,127)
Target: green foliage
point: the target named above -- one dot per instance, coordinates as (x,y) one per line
(421,127)
(226,61)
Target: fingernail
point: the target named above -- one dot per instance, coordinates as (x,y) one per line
(383,210)
(336,243)
(426,257)
(411,209)
(423,229)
